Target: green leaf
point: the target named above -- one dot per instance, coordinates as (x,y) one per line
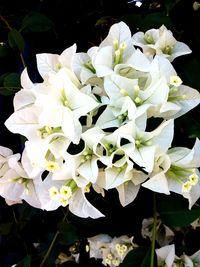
(9,83)
(68,233)
(195,130)
(5,228)
(12,79)
(188,68)
(147,259)
(135,257)
(26,262)
(174,211)
(2,77)
(107,20)
(37,22)
(147,21)
(16,40)
(155,20)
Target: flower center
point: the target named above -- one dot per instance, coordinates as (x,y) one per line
(148,38)
(88,65)
(187,177)
(47,130)
(118,51)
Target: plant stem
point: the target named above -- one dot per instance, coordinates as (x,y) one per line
(49,249)
(52,242)
(22,60)
(7,24)
(153,231)
(10,29)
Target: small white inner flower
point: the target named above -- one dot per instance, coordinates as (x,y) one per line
(193,178)
(175,80)
(115,262)
(186,187)
(54,193)
(52,166)
(65,192)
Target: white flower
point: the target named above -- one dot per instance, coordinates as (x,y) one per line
(52,63)
(80,206)
(24,122)
(180,173)
(161,42)
(15,184)
(129,189)
(83,66)
(47,153)
(87,166)
(164,235)
(180,100)
(26,96)
(115,49)
(64,105)
(119,167)
(112,251)
(95,244)
(113,85)
(195,258)
(166,255)
(146,143)
(119,173)
(183,170)
(55,193)
(61,106)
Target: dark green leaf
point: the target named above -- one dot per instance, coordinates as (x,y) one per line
(26,262)
(174,212)
(147,259)
(155,20)
(9,83)
(144,22)
(12,79)
(6,91)
(107,20)
(5,228)
(188,68)
(2,77)
(16,40)
(195,130)
(37,22)
(135,257)
(68,233)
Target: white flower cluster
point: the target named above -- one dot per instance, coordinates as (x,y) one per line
(112,251)
(166,258)
(86,125)
(164,235)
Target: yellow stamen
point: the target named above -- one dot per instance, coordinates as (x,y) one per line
(175,80)
(193,178)
(52,166)
(65,192)
(54,193)
(186,187)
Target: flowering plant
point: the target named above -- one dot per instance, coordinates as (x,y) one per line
(103,120)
